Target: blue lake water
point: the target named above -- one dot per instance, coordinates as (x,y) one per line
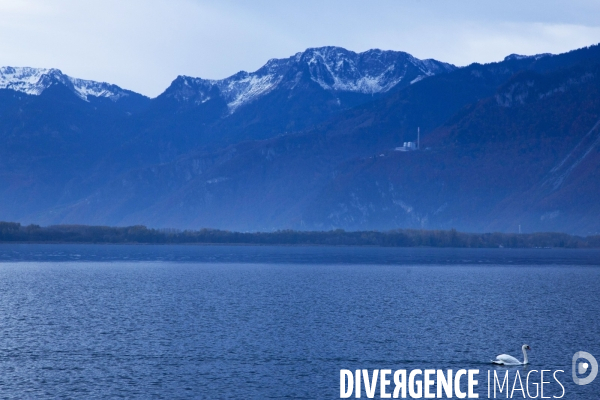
(99,321)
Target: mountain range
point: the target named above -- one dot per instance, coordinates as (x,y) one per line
(313,141)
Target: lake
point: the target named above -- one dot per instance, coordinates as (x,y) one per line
(178,322)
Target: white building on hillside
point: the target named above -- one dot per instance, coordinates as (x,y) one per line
(410,146)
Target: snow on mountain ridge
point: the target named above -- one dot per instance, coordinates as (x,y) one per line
(85,88)
(248,88)
(236,90)
(333,68)
(33,81)
(523,57)
(27,80)
(373,71)
(190,89)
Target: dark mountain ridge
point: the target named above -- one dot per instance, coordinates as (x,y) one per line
(491,166)
(301,155)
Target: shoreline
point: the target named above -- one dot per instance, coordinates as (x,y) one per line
(206,244)
(14,232)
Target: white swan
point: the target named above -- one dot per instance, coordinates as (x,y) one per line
(505,359)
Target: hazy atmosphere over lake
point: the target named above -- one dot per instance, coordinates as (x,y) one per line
(313,200)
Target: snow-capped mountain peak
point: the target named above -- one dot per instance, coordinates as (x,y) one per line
(34,81)
(522,57)
(31,81)
(373,71)
(333,68)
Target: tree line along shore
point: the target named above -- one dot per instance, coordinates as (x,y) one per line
(11,232)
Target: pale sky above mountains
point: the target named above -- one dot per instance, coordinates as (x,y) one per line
(143,45)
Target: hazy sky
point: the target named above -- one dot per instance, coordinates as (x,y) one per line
(143,45)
